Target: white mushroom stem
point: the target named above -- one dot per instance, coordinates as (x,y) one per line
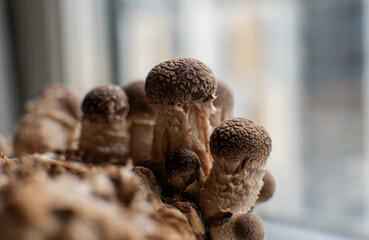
(235,191)
(141,134)
(108,140)
(183,127)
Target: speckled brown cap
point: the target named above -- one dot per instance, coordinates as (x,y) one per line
(182,167)
(105,100)
(180,81)
(224,96)
(240,138)
(249,227)
(138,103)
(268,188)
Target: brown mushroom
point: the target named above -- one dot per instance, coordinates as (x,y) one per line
(181,92)
(141,120)
(183,170)
(104,133)
(223,104)
(51,122)
(268,189)
(240,149)
(246,226)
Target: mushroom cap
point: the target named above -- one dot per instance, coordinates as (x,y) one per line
(105,100)
(240,138)
(249,227)
(268,188)
(180,81)
(224,96)
(137,100)
(56,96)
(182,167)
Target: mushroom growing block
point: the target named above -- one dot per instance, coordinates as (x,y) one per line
(240,149)
(141,119)
(104,133)
(223,104)
(181,92)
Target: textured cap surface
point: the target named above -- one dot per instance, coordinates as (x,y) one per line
(137,98)
(182,167)
(182,160)
(105,100)
(240,137)
(180,81)
(249,227)
(224,96)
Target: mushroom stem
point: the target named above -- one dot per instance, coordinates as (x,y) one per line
(104,132)
(240,149)
(189,128)
(238,192)
(100,143)
(141,133)
(181,93)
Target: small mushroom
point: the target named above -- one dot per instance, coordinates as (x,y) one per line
(223,104)
(104,133)
(240,149)
(246,226)
(268,189)
(51,122)
(183,170)
(141,119)
(181,93)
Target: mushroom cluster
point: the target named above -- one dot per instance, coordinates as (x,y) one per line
(162,158)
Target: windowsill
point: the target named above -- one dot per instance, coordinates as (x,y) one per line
(282,231)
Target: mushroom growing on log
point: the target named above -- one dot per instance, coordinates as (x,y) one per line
(183,171)
(51,122)
(104,133)
(240,149)
(181,93)
(268,189)
(141,120)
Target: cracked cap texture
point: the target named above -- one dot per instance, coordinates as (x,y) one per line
(180,81)
(240,138)
(105,100)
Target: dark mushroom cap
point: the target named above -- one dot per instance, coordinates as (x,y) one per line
(268,188)
(240,138)
(137,100)
(180,81)
(224,96)
(249,227)
(105,100)
(182,167)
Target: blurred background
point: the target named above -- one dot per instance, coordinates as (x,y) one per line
(298,67)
